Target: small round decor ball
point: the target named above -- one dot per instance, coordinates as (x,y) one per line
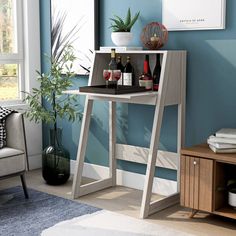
(154,36)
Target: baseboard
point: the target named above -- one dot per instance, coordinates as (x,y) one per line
(133,180)
(35,161)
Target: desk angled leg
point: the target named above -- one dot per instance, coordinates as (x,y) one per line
(181,116)
(112,142)
(82,147)
(148,207)
(147,192)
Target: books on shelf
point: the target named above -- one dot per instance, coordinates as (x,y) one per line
(120,49)
(224,141)
(221,145)
(226,133)
(215,139)
(216,150)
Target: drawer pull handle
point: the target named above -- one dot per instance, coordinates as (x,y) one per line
(195,163)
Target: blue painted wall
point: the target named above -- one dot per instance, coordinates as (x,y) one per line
(211,86)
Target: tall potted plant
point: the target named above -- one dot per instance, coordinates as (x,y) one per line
(56,159)
(122,35)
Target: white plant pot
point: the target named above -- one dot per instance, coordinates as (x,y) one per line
(121,39)
(232,199)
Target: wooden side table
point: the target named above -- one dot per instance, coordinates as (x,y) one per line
(203,178)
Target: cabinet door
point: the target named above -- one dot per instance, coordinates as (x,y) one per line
(196,183)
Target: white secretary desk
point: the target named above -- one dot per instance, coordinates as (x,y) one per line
(171,92)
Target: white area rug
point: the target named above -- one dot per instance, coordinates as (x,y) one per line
(106,223)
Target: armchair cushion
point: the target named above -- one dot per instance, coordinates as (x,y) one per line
(8,152)
(11,161)
(14,155)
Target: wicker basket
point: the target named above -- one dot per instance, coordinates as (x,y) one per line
(154,36)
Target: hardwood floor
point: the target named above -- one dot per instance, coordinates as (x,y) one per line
(127,201)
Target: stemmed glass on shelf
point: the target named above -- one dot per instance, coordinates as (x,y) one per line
(111,77)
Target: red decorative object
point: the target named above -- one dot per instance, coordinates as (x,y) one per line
(154,36)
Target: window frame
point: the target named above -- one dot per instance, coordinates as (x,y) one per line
(16,57)
(28,49)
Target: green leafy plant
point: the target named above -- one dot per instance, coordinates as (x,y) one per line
(231,186)
(56,80)
(52,85)
(123,25)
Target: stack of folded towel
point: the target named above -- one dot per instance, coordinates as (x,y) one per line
(224,141)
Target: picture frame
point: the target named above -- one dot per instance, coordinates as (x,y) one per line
(178,15)
(82,22)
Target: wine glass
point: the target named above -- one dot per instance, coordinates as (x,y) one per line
(107,75)
(116,75)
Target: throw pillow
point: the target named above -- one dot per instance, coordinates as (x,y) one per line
(4,112)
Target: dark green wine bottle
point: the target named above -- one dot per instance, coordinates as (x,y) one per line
(128,75)
(121,68)
(157,73)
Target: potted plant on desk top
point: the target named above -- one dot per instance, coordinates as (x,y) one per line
(122,35)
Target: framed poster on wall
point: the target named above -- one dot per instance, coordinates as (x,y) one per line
(76,23)
(193,14)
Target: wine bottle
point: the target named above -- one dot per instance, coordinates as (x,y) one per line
(146,68)
(146,78)
(121,68)
(112,63)
(157,73)
(128,75)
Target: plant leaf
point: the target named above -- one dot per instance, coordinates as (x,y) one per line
(231,182)
(119,18)
(128,17)
(133,21)
(118,23)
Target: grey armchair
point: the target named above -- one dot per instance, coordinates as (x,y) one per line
(13,157)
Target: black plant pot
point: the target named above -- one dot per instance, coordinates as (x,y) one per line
(56,160)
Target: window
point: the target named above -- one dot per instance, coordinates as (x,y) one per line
(21,61)
(11,51)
